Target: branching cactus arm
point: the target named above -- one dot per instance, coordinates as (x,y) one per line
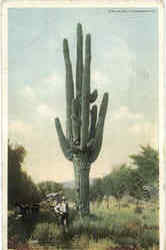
(64,143)
(93,96)
(79,64)
(69,89)
(93,116)
(99,129)
(85,94)
(76,120)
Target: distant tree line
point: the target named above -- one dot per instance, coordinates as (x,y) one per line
(47,187)
(139,179)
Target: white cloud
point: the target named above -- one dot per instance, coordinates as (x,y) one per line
(19,127)
(21,132)
(133,127)
(51,81)
(118,62)
(44,98)
(45,111)
(116,68)
(145,127)
(125,113)
(28,93)
(99,79)
(147,130)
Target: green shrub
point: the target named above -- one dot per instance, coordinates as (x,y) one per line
(148,238)
(94,228)
(127,242)
(101,230)
(138,210)
(104,244)
(21,229)
(81,242)
(13,243)
(46,232)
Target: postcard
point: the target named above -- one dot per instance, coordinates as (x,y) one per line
(82,121)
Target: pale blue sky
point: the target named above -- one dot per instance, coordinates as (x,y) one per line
(124,63)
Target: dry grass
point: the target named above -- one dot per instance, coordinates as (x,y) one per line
(106,229)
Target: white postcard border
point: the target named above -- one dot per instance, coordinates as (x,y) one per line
(4,90)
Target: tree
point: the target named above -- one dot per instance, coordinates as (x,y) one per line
(97,190)
(117,183)
(136,184)
(20,186)
(147,163)
(47,187)
(144,177)
(69,194)
(84,133)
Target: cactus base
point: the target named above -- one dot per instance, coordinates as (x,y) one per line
(81,171)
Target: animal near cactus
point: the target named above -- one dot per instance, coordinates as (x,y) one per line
(84,127)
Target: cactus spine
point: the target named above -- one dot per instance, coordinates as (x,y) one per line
(84,130)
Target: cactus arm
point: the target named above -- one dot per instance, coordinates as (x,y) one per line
(75,149)
(85,94)
(99,129)
(79,63)
(65,146)
(76,122)
(69,89)
(93,122)
(91,144)
(93,96)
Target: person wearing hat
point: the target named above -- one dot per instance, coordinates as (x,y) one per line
(62,209)
(57,209)
(64,212)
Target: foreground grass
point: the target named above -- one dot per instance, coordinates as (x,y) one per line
(105,229)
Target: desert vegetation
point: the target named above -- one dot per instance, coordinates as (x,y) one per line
(124,213)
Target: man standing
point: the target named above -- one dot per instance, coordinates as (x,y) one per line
(65,212)
(62,209)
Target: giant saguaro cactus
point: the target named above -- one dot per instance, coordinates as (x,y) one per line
(84,130)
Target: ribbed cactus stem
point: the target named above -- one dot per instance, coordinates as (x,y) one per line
(76,121)
(103,108)
(93,122)
(79,63)
(65,146)
(91,144)
(85,94)
(100,128)
(69,89)
(93,96)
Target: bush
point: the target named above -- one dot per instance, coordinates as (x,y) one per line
(103,229)
(94,227)
(138,210)
(105,244)
(127,242)
(46,232)
(148,238)
(85,243)
(20,230)
(81,242)
(14,244)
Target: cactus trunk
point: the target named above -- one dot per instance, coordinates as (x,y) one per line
(81,170)
(84,127)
